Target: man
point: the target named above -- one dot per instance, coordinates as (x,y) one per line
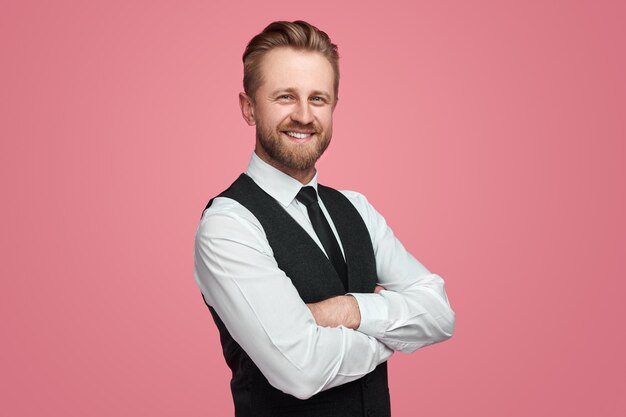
(308,286)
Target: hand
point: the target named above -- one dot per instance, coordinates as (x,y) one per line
(337,311)
(378,289)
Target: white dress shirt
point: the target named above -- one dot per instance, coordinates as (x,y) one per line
(239,277)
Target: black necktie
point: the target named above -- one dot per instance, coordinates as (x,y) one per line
(308,197)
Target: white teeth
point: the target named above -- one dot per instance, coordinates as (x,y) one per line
(298,135)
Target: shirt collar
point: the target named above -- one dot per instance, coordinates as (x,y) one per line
(276,183)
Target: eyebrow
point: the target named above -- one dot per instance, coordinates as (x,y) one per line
(293,91)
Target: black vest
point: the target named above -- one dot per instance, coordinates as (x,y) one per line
(315,279)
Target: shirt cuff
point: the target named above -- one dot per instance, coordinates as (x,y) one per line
(374,314)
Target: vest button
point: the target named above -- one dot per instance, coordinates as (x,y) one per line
(370,413)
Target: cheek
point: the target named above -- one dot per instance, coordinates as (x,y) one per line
(274,118)
(327,121)
(324,115)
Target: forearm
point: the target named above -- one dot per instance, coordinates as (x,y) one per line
(306,360)
(406,320)
(337,311)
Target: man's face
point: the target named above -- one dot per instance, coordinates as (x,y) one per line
(293,109)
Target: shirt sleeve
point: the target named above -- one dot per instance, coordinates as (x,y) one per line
(413,311)
(239,277)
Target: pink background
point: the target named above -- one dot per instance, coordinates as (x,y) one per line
(490,134)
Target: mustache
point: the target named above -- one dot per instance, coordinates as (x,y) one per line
(311,127)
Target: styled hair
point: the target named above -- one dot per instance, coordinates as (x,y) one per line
(298,35)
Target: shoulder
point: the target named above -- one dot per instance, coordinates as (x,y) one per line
(360,202)
(354,197)
(375,222)
(227,219)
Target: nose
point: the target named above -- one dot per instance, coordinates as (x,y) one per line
(302,113)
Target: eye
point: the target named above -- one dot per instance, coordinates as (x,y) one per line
(318,99)
(285,97)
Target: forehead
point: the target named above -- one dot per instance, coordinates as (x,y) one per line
(302,70)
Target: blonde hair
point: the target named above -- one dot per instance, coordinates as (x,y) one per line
(299,35)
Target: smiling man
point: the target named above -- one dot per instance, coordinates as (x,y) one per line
(308,286)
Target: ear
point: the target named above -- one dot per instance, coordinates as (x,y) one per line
(247,108)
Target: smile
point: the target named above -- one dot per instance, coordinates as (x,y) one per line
(298,135)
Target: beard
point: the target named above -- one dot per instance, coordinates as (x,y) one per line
(293,155)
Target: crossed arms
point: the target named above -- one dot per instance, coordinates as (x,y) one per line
(304,349)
